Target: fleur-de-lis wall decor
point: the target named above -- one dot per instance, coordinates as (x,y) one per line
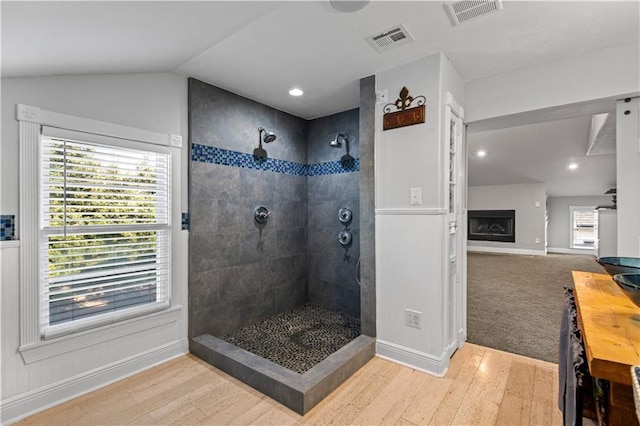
(406,115)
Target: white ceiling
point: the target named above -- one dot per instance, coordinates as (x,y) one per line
(542,152)
(261,49)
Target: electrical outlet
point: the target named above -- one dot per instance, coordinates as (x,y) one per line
(537,240)
(416,196)
(412,318)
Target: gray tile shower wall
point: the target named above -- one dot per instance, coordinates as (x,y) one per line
(332,267)
(241,272)
(225,120)
(367,206)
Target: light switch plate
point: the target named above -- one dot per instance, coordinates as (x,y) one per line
(382,96)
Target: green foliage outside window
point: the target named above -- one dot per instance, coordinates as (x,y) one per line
(87,190)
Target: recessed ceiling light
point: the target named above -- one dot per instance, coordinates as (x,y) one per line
(481,153)
(573,166)
(296,92)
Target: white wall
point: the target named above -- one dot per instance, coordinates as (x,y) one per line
(605,73)
(559,228)
(530,220)
(155,102)
(628,176)
(410,239)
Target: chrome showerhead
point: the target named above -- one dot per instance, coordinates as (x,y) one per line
(335,143)
(268,136)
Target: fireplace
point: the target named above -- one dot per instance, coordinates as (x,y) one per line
(492,225)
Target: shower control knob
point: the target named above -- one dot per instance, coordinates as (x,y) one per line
(261,215)
(344,237)
(345,215)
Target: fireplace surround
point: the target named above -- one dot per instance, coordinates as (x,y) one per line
(492,225)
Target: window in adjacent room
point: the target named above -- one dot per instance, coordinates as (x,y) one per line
(584,223)
(105,230)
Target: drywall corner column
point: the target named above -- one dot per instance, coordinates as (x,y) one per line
(410,238)
(628,176)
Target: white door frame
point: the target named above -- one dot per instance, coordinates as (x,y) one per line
(457,223)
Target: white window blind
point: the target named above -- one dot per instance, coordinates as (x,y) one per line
(105,230)
(584,224)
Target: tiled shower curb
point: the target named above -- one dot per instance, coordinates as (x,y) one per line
(300,392)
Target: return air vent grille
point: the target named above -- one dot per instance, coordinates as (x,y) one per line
(463,11)
(397,36)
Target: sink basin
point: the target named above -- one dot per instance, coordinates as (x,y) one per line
(620,265)
(630,286)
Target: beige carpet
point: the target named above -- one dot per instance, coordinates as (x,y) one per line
(514,302)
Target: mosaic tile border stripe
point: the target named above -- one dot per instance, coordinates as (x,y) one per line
(185,221)
(210,154)
(7,227)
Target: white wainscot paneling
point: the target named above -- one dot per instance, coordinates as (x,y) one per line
(9,257)
(29,388)
(410,275)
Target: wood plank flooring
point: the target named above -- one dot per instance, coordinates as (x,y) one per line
(482,387)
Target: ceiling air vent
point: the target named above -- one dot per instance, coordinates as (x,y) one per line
(387,40)
(463,11)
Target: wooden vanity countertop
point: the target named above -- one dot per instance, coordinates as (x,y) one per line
(610,324)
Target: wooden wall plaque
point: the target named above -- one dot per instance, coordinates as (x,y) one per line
(406,115)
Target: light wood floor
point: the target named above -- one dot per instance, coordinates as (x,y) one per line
(483,386)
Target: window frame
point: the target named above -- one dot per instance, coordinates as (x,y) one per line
(32,346)
(46,230)
(572,210)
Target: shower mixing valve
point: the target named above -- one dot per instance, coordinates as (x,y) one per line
(261,215)
(344,237)
(345,215)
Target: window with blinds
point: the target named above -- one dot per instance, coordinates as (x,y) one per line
(584,222)
(105,232)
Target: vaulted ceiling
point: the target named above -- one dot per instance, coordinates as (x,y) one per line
(262,49)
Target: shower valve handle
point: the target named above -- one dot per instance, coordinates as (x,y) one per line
(345,215)
(344,237)
(261,215)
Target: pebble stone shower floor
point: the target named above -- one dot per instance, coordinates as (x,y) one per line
(300,338)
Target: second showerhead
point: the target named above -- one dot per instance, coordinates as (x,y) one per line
(268,136)
(335,143)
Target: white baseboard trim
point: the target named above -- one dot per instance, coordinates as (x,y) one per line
(504,250)
(436,366)
(462,336)
(20,406)
(448,352)
(570,251)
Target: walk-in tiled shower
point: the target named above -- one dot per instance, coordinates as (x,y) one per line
(265,190)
